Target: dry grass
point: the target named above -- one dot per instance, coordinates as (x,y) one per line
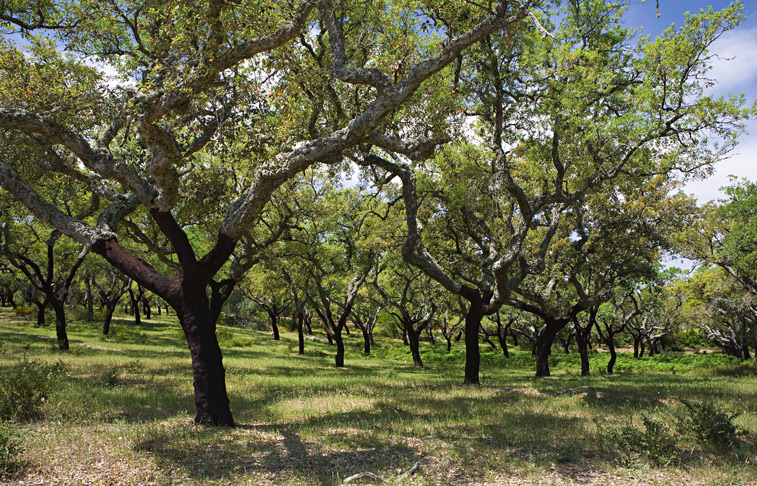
(123,416)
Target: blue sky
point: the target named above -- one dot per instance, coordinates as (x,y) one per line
(735,70)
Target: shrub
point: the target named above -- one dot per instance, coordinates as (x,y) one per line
(10,446)
(22,311)
(708,424)
(652,442)
(24,389)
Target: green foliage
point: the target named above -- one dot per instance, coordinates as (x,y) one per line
(22,311)
(229,339)
(10,446)
(708,424)
(25,388)
(652,441)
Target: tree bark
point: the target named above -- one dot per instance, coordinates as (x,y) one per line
(300,333)
(414,342)
(109,310)
(366,341)
(472,353)
(339,357)
(41,306)
(543,346)
(211,399)
(60,324)
(613,353)
(274,325)
(502,337)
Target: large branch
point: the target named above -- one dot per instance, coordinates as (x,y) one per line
(247,208)
(99,161)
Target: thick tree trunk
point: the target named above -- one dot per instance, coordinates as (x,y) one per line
(449,342)
(472,353)
(60,324)
(339,358)
(211,399)
(543,347)
(414,342)
(635,348)
(41,306)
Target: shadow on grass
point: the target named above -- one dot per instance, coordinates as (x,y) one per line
(268,451)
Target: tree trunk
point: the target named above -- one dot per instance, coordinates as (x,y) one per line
(41,306)
(147,310)
(472,353)
(60,324)
(502,337)
(329,334)
(211,399)
(339,358)
(366,340)
(300,334)
(583,351)
(543,347)
(109,310)
(635,348)
(274,325)
(414,342)
(88,296)
(431,335)
(613,354)
(449,342)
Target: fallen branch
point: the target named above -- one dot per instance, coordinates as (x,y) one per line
(376,477)
(364,475)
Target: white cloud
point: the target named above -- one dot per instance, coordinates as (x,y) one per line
(743,163)
(735,64)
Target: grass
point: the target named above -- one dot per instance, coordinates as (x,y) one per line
(122,414)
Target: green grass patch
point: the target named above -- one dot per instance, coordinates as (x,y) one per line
(121,413)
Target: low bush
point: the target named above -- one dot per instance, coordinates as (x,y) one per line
(652,442)
(22,311)
(708,424)
(25,387)
(10,446)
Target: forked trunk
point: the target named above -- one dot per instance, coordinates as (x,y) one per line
(543,347)
(41,306)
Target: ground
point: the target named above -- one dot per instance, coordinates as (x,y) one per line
(121,409)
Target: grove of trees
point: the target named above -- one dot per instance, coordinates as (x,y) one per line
(420,166)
